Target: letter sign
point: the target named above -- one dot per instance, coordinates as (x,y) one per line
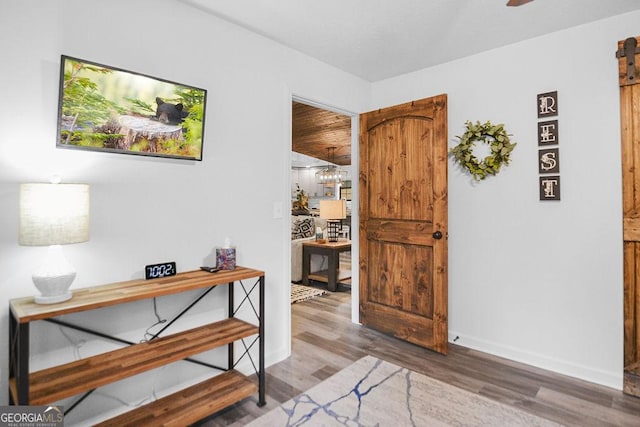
(550,188)
(548,158)
(548,104)
(548,133)
(549,161)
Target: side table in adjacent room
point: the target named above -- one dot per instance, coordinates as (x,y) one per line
(332,251)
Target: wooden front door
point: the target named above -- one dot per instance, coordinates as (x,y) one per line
(403,221)
(629,79)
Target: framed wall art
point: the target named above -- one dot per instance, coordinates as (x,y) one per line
(104,108)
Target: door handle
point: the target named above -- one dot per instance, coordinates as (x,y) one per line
(437,235)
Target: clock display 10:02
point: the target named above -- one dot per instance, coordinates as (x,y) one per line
(156,271)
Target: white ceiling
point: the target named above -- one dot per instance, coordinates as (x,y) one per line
(299,160)
(378,39)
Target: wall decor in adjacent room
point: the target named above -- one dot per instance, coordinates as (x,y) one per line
(104,108)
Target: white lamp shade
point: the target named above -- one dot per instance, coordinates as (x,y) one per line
(333,209)
(53,214)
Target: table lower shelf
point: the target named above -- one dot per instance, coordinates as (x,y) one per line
(59,382)
(190,404)
(344,276)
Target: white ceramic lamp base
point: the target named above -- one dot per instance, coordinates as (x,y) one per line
(54,277)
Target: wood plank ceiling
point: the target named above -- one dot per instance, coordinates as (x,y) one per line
(315,130)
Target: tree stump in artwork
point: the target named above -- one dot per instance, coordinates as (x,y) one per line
(136,129)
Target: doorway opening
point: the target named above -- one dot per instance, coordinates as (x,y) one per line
(322,139)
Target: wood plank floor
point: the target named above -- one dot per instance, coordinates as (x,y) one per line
(325,341)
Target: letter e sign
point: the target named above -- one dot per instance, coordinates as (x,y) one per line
(548,133)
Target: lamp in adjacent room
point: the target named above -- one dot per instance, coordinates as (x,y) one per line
(54,215)
(333,211)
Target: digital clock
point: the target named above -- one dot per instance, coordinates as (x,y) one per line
(155,271)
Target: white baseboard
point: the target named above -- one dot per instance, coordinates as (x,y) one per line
(586,373)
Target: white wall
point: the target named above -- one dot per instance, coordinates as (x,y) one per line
(539,282)
(147,210)
(306,179)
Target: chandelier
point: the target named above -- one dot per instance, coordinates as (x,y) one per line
(331,174)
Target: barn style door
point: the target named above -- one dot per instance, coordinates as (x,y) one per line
(403,221)
(629,71)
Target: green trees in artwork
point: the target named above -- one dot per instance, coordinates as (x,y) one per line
(193,101)
(140,107)
(83,107)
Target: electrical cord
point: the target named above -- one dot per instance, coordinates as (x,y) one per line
(76,345)
(147,334)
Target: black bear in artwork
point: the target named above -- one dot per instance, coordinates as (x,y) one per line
(172,114)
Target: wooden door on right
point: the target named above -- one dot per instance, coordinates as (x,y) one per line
(629,79)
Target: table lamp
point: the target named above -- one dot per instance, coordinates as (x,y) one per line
(53,215)
(333,211)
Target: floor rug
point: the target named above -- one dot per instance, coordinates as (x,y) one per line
(303,293)
(372,392)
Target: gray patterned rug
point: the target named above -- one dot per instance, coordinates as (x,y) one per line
(372,392)
(303,293)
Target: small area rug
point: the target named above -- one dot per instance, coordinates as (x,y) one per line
(372,392)
(303,293)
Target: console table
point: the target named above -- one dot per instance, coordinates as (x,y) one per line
(332,251)
(85,375)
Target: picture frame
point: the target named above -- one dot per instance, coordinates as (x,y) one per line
(108,109)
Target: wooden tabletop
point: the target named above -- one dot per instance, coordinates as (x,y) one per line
(26,310)
(341,243)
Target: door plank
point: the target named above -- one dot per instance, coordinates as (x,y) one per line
(414,329)
(631,227)
(399,281)
(416,232)
(630,272)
